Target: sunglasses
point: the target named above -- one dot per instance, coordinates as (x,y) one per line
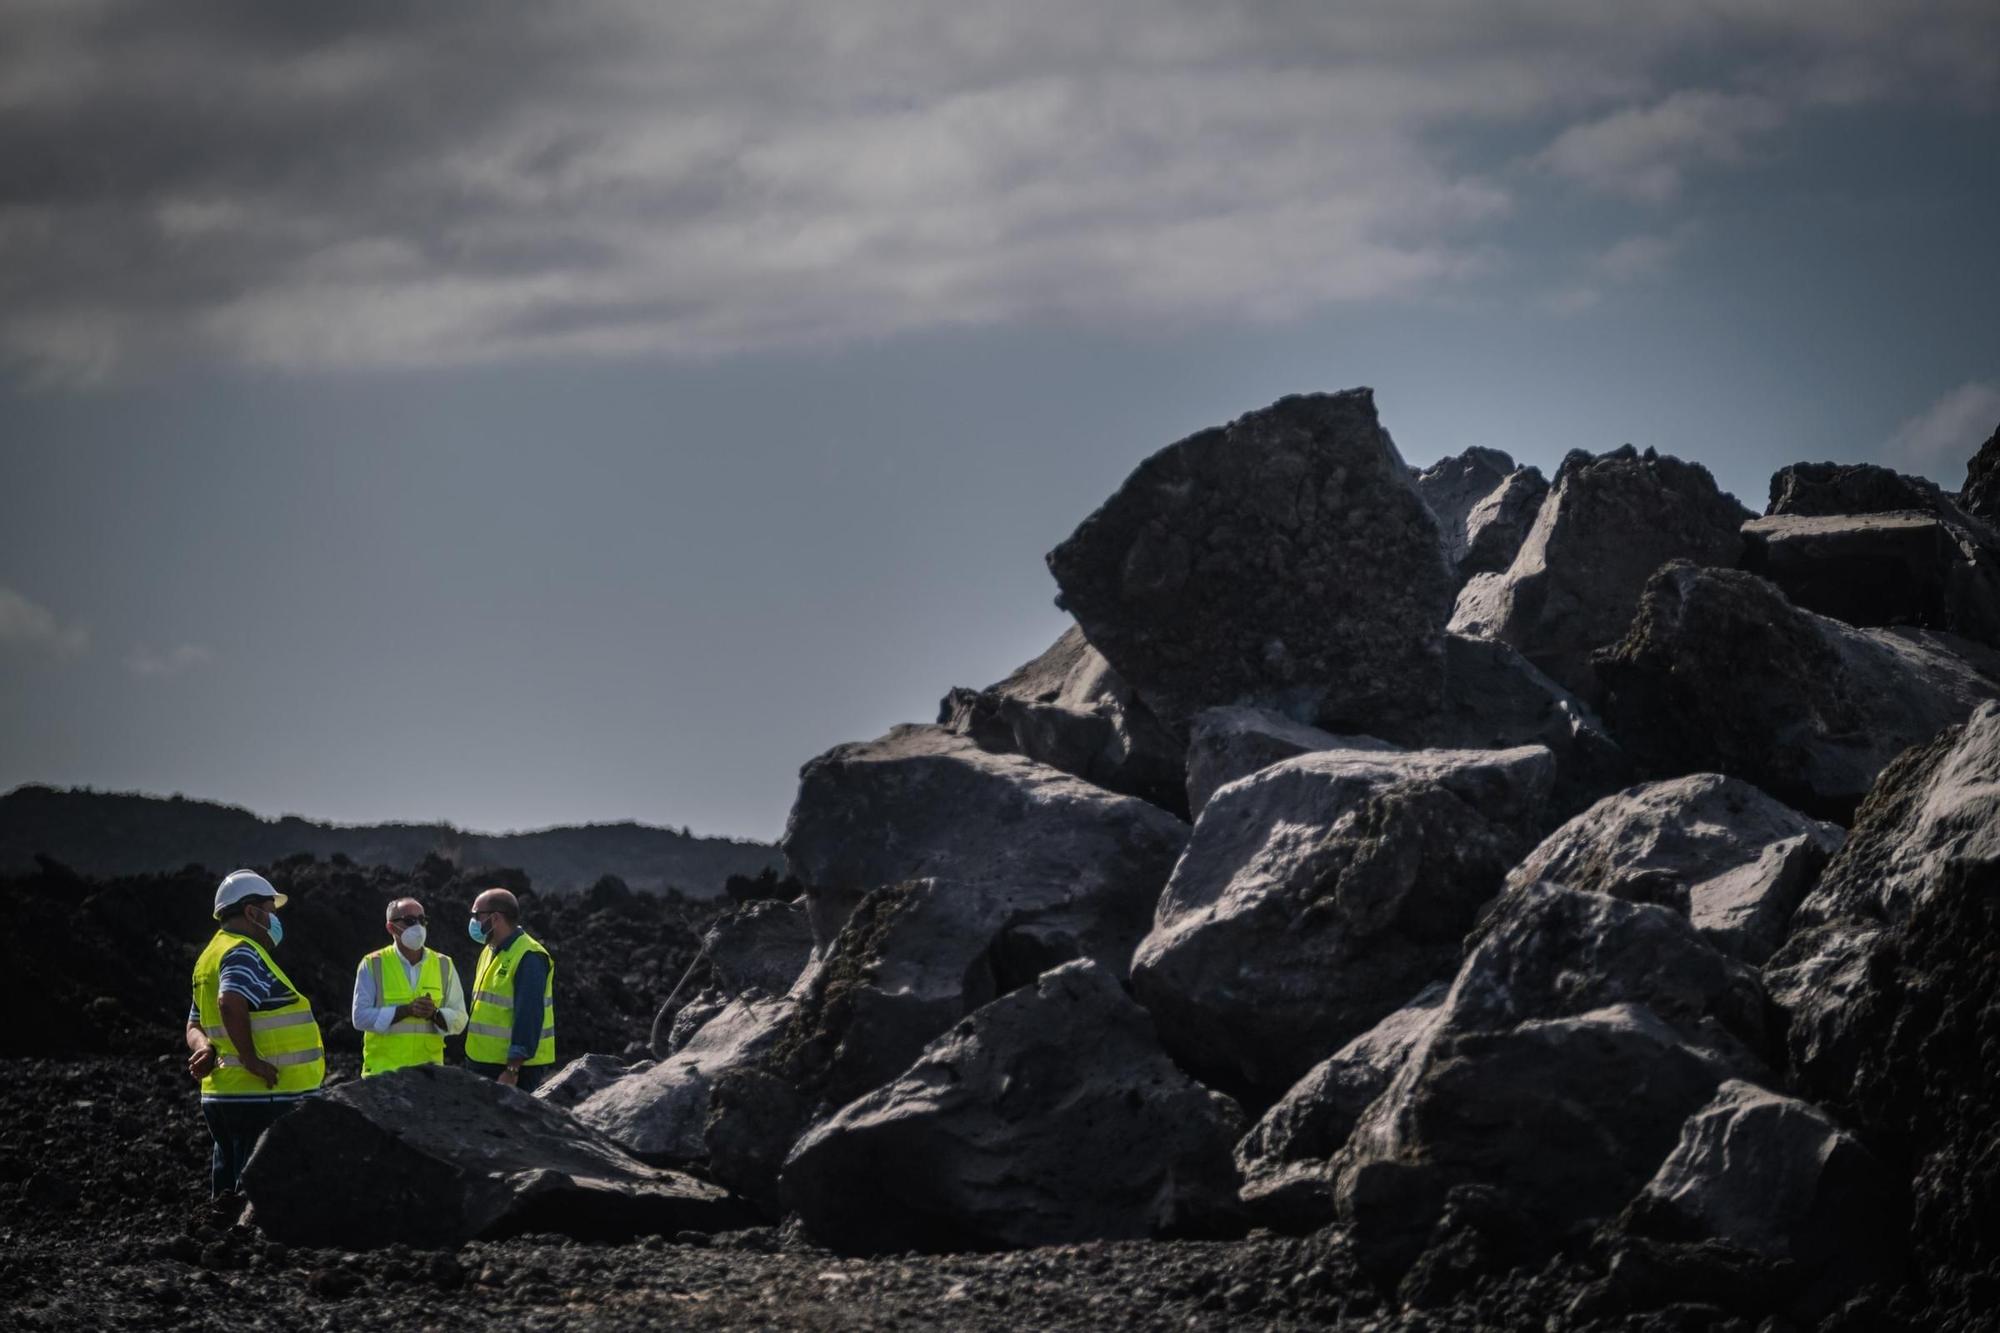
(409,921)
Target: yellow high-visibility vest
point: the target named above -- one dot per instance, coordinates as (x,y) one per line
(410,1041)
(287,1037)
(491,1027)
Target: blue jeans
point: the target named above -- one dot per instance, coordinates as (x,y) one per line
(531,1075)
(236,1126)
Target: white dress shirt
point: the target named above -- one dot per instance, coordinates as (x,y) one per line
(371,1015)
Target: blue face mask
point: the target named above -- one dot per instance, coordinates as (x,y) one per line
(277,929)
(477,929)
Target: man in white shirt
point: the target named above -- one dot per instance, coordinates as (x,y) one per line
(407,998)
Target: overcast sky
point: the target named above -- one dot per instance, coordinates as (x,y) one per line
(534,414)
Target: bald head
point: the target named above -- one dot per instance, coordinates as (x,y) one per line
(403,907)
(499,913)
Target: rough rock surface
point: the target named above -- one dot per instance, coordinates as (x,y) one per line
(1882,569)
(1777,1177)
(1936,807)
(912,960)
(1720,673)
(1822,489)
(1068,709)
(1452,486)
(1496,527)
(1715,849)
(1225,744)
(450,1156)
(1496,699)
(659,1114)
(1049,1115)
(1085,865)
(1607,524)
(580,1078)
(1284,560)
(1578,1035)
(1320,894)
(1286,1156)
(1981,496)
(760,948)
(1912,1066)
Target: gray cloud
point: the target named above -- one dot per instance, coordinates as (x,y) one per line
(303,186)
(144,661)
(28,626)
(1938,440)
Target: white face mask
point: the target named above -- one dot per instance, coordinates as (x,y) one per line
(413,937)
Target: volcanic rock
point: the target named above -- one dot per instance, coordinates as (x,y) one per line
(760,947)
(451,1156)
(1715,849)
(1496,699)
(1824,489)
(1452,486)
(1068,709)
(1981,496)
(1318,895)
(659,1114)
(1720,673)
(1609,522)
(1777,1177)
(579,1078)
(1049,1115)
(1578,1035)
(1284,561)
(1936,806)
(1084,866)
(1882,569)
(1496,527)
(1286,1156)
(1225,744)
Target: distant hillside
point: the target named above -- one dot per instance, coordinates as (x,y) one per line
(106,833)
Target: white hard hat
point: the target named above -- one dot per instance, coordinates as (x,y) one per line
(240,884)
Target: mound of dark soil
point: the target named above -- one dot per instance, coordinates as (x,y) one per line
(115,977)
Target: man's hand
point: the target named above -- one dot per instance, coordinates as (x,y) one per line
(263,1069)
(509,1077)
(201,1061)
(423,1007)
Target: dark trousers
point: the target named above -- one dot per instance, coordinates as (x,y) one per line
(531,1075)
(236,1126)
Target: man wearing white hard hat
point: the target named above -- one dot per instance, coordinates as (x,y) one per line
(251,1036)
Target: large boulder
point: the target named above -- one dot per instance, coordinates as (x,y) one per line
(1776,1177)
(1580,1032)
(433,1156)
(1320,894)
(1284,560)
(659,1114)
(1484,506)
(1084,866)
(1812,490)
(1068,709)
(1719,673)
(1607,524)
(1050,1115)
(1716,849)
(1937,806)
(758,949)
(912,960)
(1981,496)
(1496,527)
(1286,1157)
(1225,744)
(1496,699)
(1882,569)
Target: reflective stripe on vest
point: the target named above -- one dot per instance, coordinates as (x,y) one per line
(412,1041)
(286,1038)
(490,1030)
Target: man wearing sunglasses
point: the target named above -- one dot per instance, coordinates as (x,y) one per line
(512,1038)
(407,998)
